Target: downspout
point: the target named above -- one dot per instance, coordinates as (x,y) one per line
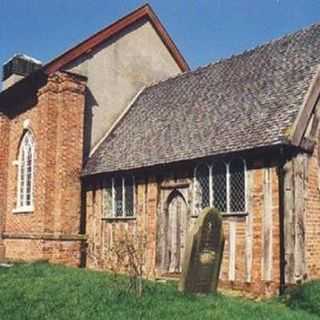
(83,213)
(281,174)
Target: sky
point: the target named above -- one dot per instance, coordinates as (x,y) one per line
(203,30)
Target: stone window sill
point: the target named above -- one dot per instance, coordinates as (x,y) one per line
(23,210)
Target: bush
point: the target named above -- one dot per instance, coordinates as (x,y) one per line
(128,254)
(305,297)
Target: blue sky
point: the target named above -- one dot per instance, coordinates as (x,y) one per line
(204,30)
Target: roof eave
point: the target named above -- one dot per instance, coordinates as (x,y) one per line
(266,148)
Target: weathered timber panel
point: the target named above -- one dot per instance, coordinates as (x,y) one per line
(251,254)
(267,226)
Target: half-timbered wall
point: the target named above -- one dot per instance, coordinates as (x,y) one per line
(302,208)
(295,207)
(251,257)
(104,231)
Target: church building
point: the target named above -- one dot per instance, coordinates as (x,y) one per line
(117,136)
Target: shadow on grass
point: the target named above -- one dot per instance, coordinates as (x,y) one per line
(305,297)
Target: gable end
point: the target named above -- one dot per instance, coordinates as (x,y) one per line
(89,44)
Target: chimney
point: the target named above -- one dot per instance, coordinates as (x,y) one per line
(19,66)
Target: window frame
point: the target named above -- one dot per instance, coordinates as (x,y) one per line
(245,187)
(196,181)
(22,167)
(113,214)
(210,166)
(226,186)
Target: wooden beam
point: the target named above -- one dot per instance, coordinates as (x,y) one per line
(300,178)
(249,230)
(307,145)
(304,115)
(267,227)
(232,250)
(289,222)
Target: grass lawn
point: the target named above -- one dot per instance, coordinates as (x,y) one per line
(40,291)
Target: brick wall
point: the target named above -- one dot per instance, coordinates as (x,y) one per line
(55,251)
(312,216)
(55,116)
(4,147)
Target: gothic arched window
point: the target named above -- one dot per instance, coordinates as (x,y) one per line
(26,160)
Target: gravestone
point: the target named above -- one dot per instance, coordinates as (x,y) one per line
(203,254)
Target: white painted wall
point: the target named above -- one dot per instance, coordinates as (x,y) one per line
(117,70)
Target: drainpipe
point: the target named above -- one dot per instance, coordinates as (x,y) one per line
(281,173)
(83,209)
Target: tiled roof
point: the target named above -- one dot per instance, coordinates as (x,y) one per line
(247,101)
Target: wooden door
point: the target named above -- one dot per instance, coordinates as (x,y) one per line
(177,224)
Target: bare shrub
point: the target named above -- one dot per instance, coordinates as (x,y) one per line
(127,255)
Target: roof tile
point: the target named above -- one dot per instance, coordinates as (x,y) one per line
(247,101)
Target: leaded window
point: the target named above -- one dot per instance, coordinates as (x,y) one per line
(129,196)
(221,185)
(26,172)
(202,176)
(107,199)
(119,197)
(237,186)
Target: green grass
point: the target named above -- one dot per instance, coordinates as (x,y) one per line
(306,297)
(40,291)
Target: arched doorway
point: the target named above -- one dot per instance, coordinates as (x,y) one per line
(175,232)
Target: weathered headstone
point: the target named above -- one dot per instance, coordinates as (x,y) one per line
(203,254)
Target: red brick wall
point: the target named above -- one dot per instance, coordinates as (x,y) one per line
(312,216)
(55,251)
(4,146)
(56,117)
